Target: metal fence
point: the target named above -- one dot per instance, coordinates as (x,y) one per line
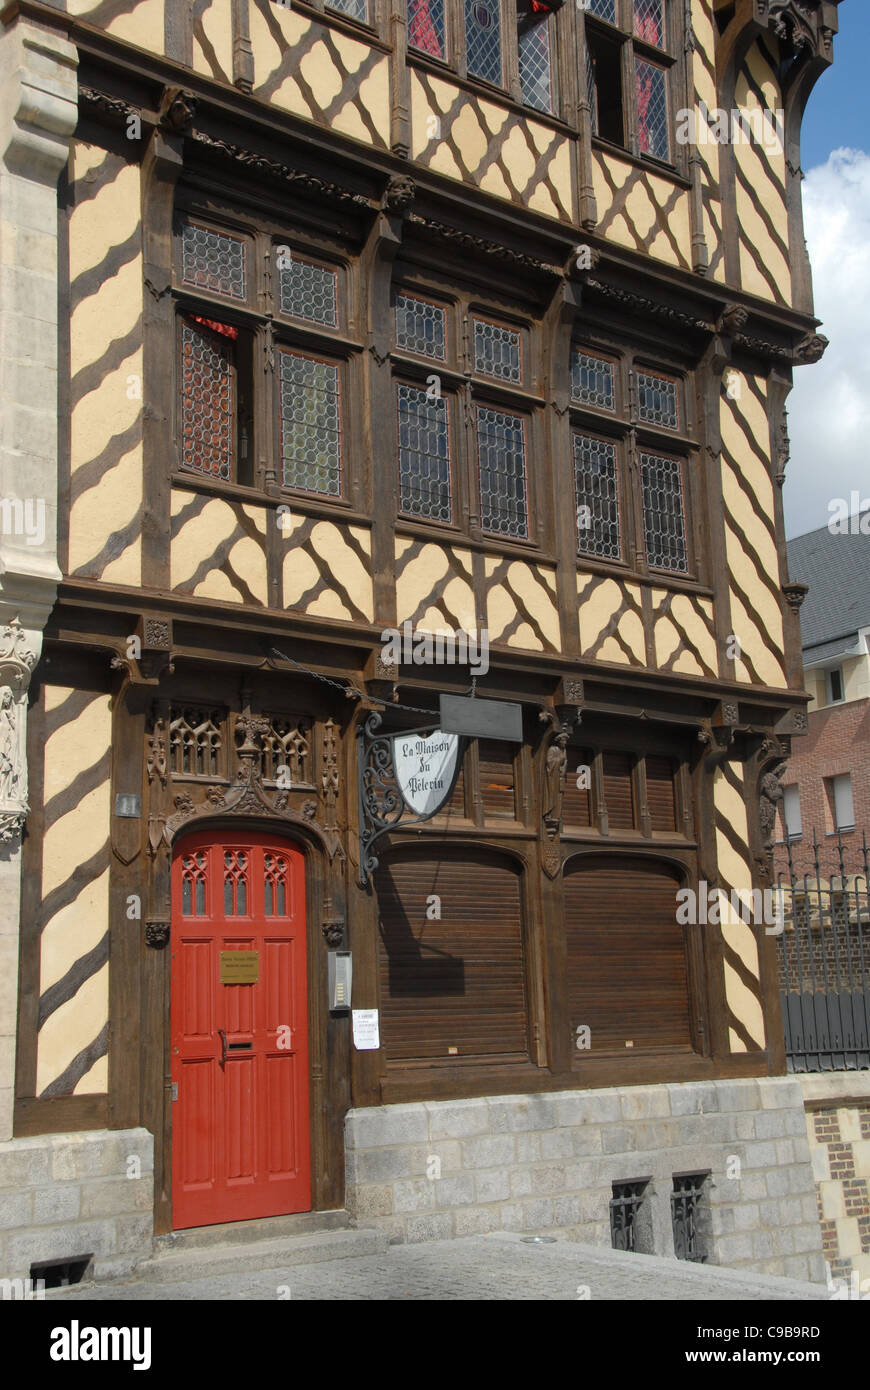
(824,960)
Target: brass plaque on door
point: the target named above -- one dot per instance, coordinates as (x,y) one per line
(240,967)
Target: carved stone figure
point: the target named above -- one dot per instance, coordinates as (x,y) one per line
(554,780)
(10,771)
(770,794)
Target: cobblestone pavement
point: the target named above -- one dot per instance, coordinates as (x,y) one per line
(495,1267)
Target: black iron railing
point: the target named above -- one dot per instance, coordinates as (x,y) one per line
(824,960)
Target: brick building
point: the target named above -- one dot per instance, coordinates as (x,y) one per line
(826,789)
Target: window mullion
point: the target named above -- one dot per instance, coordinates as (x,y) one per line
(629,97)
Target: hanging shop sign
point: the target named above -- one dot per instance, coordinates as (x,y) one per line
(425,766)
(475,718)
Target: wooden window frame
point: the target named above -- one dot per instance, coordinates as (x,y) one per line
(467,389)
(632,47)
(269,329)
(623,427)
(595,746)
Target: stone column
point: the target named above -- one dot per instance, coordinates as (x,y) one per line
(38,113)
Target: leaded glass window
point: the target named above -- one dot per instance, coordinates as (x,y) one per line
(357,9)
(657,400)
(213,261)
(309,291)
(592,380)
(426,27)
(310,424)
(424,454)
(501,453)
(649,21)
(497,351)
(420,327)
(651,87)
(483,39)
(533,50)
(207,413)
(664,520)
(605,9)
(596,486)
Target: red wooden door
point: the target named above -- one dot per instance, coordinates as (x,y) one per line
(240,1141)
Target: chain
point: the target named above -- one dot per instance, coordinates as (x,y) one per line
(349,690)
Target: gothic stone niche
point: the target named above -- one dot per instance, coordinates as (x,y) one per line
(17,661)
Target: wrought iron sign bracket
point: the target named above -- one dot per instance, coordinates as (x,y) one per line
(381,804)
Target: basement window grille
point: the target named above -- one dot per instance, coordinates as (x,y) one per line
(59,1274)
(625,1205)
(686,1202)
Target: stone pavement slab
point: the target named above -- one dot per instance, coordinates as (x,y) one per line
(492,1267)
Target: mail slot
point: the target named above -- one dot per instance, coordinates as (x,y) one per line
(239,1047)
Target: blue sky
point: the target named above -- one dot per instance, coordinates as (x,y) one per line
(829,407)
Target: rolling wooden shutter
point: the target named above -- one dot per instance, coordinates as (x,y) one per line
(497,779)
(618,791)
(457,983)
(660,799)
(577,804)
(626,954)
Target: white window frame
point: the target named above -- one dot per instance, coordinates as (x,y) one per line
(829,690)
(842,802)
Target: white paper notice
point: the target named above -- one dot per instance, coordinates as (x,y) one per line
(365,1029)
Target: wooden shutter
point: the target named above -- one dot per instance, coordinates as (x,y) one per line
(627,963)
(497,778)
(618,791)
(577,804)
(458,982)
(660,798)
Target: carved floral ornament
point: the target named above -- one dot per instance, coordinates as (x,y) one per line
(17,660)
(803,25)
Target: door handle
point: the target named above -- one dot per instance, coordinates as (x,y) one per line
(223,1037)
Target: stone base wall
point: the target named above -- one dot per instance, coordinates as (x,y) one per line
(63,1196)
(547,1163)
(838,1126)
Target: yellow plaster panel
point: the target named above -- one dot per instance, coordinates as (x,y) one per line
(72,1027)
(143,26)
(77,928)
(217,29)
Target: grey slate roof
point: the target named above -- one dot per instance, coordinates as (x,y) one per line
(837,569)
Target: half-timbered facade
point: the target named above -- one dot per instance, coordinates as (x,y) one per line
(360,317)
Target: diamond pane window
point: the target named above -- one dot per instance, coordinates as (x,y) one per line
(426,26)
(420,327)
(357,9)
(657,400)
(207,417)
(649,21)
(592,381)
(533,46)
(483,39)
(497,351)
(595,484)
(310,424)
(590,90)
(424,454)
(662,482)
(213,261)
(651,85)
(309,291)
(605,9)
(501,454)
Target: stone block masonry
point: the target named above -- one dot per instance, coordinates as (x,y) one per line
(542,1164)
(838,1129)
(64,1196)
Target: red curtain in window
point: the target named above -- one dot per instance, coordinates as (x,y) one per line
(643,88)
(422,33)
(647,27)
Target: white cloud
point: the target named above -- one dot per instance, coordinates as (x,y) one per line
(829,407)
